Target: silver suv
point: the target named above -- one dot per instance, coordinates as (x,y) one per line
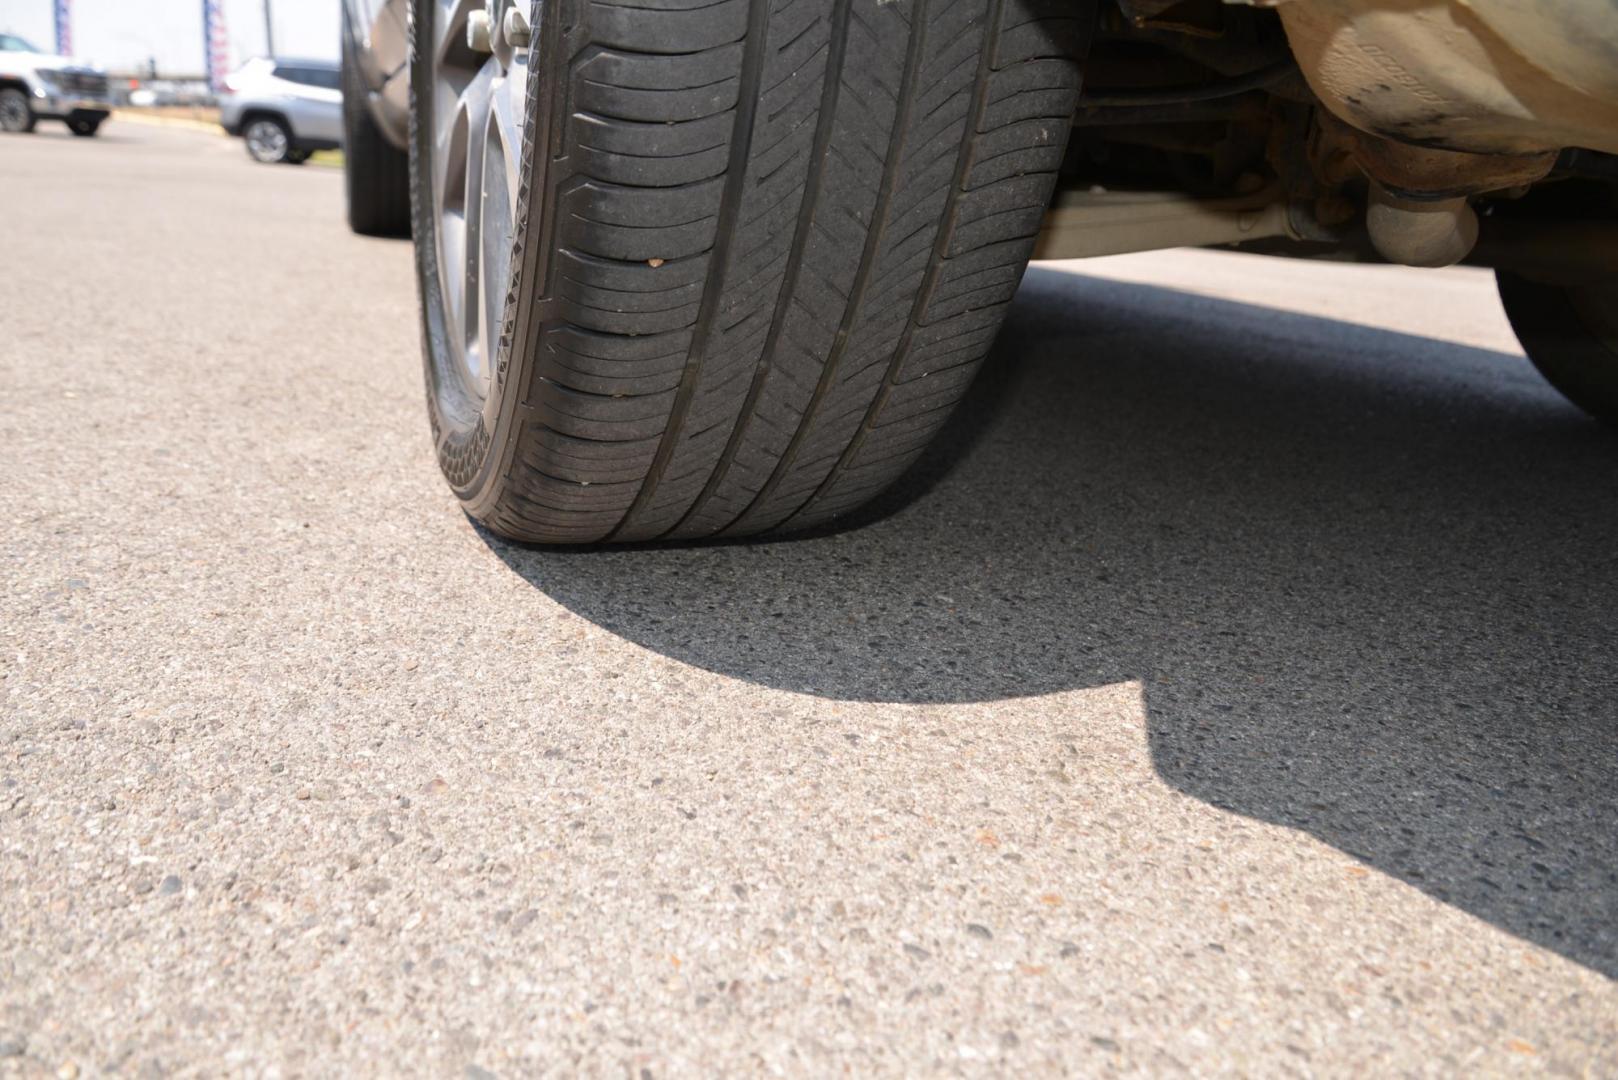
(36,85)
(284,110)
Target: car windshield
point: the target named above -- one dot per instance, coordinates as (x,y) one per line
(13,43)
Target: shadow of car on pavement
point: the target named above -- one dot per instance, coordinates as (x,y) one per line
(1368,582)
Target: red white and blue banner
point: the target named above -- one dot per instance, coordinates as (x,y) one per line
(216,42)
(64,27)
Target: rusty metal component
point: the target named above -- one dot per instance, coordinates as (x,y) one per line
(1420,232)
(1482,76)
(1416,211)
(1433,173)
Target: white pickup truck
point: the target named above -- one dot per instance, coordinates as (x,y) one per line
(37,85)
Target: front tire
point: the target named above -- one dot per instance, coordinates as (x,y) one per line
(759,249)
(1571,335)
(376,173)
(84,126)
(16,114)
(268,140)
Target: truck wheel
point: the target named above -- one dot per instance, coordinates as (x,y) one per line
(1571,335)
(16,115)
(267,139)
(84,126)
(375,172)
(720,268)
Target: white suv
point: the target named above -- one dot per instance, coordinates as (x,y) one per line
(36,85)
(284,110)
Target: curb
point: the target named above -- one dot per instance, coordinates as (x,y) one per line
(167,121)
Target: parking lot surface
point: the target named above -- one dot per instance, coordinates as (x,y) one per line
(1231,693)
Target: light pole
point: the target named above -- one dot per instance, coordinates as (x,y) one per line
(269,31)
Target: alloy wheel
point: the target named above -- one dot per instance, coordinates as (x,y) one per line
(13,111)
(266,141)
(478,99)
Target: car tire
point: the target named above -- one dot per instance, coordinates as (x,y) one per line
(376,173)
(82,126)
(268,140)
(16,114)
(298,157)
(762,248)
(1571,335)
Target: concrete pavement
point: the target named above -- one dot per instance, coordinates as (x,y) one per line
(1231,694)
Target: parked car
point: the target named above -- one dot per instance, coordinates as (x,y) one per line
(36,85)
(714,269)
(284,110)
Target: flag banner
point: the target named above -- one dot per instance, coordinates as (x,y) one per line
(64,27)
(216,43)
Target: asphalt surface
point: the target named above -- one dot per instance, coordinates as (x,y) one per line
(1233,693)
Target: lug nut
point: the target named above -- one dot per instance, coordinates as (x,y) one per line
(516,28)
(478,31)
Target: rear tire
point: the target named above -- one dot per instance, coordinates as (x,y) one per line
(1571,335)
(16,114)
(84,127)
(761,251)
(376,173)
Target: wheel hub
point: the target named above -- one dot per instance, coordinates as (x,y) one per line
(479,88)
(266,141)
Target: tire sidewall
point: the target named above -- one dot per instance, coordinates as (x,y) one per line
(1552,323)
(471,437)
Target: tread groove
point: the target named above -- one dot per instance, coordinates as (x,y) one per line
(873,240)
(819,157)
(747,104)
(963,166)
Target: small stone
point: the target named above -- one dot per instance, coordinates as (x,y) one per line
(170,886)
(68,1071)
(1104,1043)
(13,1047)
(654,263)
(917,952)
(979,930)
(303,794)
(1009,1040)
(473,1072)
(142,886)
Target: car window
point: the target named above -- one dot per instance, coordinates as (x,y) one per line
(13,43)
(307,76)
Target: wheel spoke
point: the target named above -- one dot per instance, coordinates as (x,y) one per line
(477,105)
(498,210)
(449,31)
(509,107)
